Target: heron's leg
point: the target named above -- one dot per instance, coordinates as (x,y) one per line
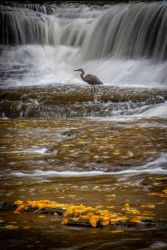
(92,89)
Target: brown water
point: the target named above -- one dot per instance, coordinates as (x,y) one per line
(98,161)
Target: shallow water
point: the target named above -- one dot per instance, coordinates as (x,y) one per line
(64,143)
(94,161)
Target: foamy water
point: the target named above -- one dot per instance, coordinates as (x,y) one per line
(158,166)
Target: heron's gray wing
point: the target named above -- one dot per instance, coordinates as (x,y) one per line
(93,80)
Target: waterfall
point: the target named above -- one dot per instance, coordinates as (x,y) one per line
(120,31)
(139,30)
(23,26)
(123,44)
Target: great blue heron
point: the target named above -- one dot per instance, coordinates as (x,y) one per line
(90,79)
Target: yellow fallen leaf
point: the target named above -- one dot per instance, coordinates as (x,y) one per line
(110,195)
(21,126)
(105,222)
(18,202)
(68,211)
(163,195)
(11,227)
(134,211)
(75,219)
(145,213)
(99,206)
(104,212)
(117,231)
(94,220)
(42,216)
(113,215)
(90,215)
(126,207)
(122,219)
(20,208)
(130,210)
(148,206)
(136,219)
(84,218)
(65,222)
(110,206)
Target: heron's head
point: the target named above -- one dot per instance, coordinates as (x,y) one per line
(81,70)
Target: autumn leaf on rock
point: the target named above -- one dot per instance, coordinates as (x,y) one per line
(94,220)
(136,219)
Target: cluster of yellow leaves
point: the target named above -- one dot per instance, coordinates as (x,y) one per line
(94,217)
(136,219)
(141,215)
(83,215)
(76,210)
(130,210)
(39,205)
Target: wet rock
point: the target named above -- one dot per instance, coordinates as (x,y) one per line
(7,206)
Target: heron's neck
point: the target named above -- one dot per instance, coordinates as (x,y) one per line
(82,75)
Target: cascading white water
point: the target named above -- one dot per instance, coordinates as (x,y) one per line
(134,31)
(123,44)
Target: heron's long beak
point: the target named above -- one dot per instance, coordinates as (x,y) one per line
(76,70)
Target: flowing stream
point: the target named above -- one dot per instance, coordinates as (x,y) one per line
(64,143)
